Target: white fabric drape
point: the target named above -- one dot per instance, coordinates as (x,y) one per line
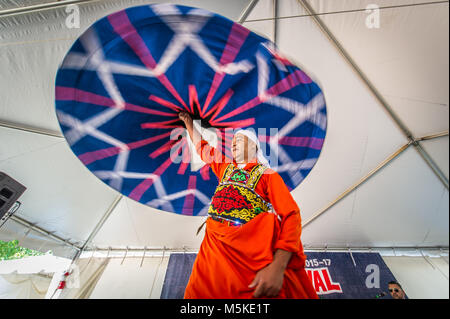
(130,280)
(83,280)
(23,286)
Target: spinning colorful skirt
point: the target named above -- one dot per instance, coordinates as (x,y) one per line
(118,94)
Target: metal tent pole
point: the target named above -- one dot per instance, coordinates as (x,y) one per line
(365,178)
(26,128)
(98,227)
(149,251)
(275,21)
(44,6)
(248,9)
(432,136)
(43,231)
(357,184)
(350,11)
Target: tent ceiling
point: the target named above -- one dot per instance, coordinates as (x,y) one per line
(373,215)
(57,197)
(395,56)
(404,204)
(13,4)
(143,226)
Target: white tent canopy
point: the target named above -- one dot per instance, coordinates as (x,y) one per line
(381,179)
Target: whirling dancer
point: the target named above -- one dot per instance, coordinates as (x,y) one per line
(252,246)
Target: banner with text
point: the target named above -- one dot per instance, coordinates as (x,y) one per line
(334,275)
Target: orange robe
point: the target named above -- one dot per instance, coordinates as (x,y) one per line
(230,256)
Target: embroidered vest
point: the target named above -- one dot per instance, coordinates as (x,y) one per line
(235,198)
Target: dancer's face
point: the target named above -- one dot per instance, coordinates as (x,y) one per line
(243,149)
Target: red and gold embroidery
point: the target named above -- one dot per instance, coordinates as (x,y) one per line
(235,198)
(227,198)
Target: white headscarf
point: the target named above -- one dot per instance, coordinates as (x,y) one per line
(252,136)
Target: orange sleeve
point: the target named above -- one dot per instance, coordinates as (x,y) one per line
(285,206)
(213,157)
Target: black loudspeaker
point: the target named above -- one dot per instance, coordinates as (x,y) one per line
(10,191)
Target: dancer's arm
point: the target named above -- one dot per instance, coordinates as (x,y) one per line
(194,134)
(269,280)
(210,155)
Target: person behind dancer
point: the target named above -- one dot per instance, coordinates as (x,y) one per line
(252,246)
(396,290)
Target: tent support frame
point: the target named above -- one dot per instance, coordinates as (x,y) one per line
(146,249)
(31,129)
(118,252)
(98,227)
(350,11)
(275,21)
(433,136)
(357,184)
(44,6)
(43,231)
(248,9)
(370,174)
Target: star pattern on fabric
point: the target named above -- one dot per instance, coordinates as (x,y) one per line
(94,60)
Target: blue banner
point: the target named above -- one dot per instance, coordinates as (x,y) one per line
(333,275)
(348,276)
